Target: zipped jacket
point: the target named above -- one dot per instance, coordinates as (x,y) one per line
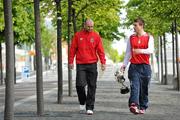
(86,47)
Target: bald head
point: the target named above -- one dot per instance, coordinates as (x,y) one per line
(89,22)
(88,25)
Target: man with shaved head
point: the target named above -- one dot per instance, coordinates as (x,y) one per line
(88,25)
(87,48)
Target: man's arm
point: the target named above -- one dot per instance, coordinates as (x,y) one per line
(127,54)
(101,54)
(149,50)
(73,49)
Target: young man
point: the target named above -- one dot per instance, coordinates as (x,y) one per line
(139,47)
(86,45)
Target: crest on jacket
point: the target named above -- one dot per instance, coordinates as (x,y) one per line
(92,40)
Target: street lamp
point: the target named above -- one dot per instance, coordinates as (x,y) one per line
(59,52)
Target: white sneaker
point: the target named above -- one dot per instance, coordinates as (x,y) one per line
(82,109)
(89,112)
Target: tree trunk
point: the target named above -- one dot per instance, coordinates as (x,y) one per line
(177,57)
(74,20)
(46,61)
(39,77)
(165,60)
(1,66)
(69,39)
(14,65)
(161,52)
(34,62)
(9,92)
(83,20)
(173,50)
(159,59)
(59,53)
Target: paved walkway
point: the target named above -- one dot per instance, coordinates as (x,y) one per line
(110,104)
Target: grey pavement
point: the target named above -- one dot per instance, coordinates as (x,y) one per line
(109,105)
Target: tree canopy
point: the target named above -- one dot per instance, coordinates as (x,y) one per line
(105,14)
(158,14)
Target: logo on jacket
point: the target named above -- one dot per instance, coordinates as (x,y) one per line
(92,40)
(81,39)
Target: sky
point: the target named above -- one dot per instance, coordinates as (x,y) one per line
(48,22)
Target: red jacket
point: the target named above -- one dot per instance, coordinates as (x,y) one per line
(139,43)
(86,46)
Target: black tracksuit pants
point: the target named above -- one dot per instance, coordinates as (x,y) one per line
(86,75)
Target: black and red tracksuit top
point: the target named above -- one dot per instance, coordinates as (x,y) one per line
(87,47)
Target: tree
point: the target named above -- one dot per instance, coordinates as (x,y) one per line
(59,51)
(9,94)
(1,39)
(113,53)
(69,41)
(39,77)
(48,44)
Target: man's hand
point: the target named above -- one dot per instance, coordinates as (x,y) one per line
(137,51)
(103,67)
(71,66)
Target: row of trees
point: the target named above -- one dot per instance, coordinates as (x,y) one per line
(23,28)
(21,23)
(105,13)
(161,17)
